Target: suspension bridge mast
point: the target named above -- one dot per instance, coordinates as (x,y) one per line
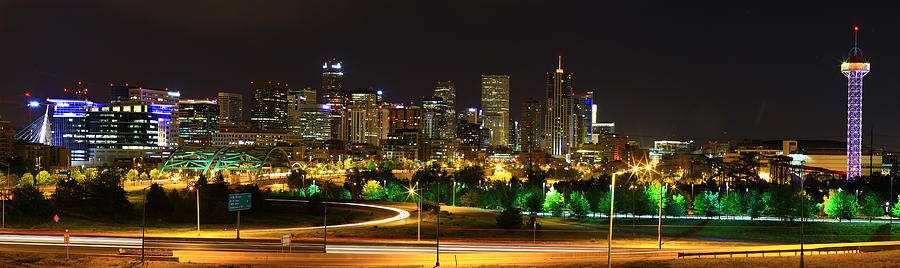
(854,68)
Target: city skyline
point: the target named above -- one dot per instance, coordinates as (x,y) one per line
(737,99)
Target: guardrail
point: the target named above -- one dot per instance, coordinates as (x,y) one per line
(773,253)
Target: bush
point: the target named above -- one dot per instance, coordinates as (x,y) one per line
(510,218)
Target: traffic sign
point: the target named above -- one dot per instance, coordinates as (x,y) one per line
(285,240)
(237,202)
(56,218)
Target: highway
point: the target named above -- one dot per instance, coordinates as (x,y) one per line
(270,251)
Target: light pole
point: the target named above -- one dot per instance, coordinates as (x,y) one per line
(198,208)
(437,226)
(612,198)
(7,192)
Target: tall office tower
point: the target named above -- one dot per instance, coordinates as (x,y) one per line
(447,91)
(436,118)
(582,107)
(197,120)
(515,133)
(495,104)
(333,84)
(363,119)
(531,125)
(231,107)
(559,120)
(269,106)
(854,68)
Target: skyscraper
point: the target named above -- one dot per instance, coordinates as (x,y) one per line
(197,120)
(854,68)
(583,108)
(447,91)
(559,119)
(436,118)
(362,116)
(231,107)
(333,84)
(531,125)
(495,104)
(269,106)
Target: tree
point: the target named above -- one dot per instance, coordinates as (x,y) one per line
(295,179)
(510,218)
(27,179)
(144,176)
(708,204)
(154,174)
(678,206)
(132,175)
(395,193)
(873,206)
(896,209)
(44,178)
(77,176)
(652,194)
(553,202)
(731,205)
(158,204)
(578,205)
(535,203)
(312,190)
(29,206)
(841,205)
(104,197)
(372,190)
(470,199)
(68,195)
(345,194)
(754,204)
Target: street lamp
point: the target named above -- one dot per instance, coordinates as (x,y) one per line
(612,196)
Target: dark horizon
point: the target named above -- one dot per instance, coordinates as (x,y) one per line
(659,71)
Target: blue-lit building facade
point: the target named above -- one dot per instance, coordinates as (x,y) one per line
(83,126)
(69,126)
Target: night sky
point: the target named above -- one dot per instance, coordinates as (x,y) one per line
(661,71)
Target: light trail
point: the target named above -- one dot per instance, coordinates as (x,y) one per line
(401,214)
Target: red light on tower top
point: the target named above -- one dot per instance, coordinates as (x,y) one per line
(856,28)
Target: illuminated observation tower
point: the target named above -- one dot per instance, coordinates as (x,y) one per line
(854,68)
